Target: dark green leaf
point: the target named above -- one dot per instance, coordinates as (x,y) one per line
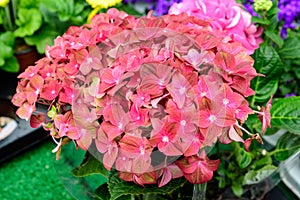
(267,62)
(89,166)
(11,65)
(297,72)
(237,189)
(102,192)
(253,177)
(273,11)
(273,23)
(243,158)
(118,187)
(274,37)
(285,113)
(286,146)
(29,21)
(290,49)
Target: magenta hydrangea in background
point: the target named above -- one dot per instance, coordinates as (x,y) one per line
(226,16)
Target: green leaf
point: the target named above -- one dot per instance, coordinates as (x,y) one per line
(89,166)
(267,62)
(285,114)
(243,158)
(7,38)
(102,192)
(29,4)
(290,48)
(45,36)
(287,145)
(255,176)
(267,160)
(273,23)
(11,65)
(274,37)
(260,20)
(237,189)
(63,9)
(119,188)
(29,21)
(5,53)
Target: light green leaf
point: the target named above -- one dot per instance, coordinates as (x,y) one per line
(45,36)
(290,49)
(253,177)
(118,188)
(237,189)
(286,146)
(5,53)
(7,38)
(267,62)
(260,20)
(267,160)
(64,9)
(89,166)
(11,65)
(285,114)
(29,4)
(29,21)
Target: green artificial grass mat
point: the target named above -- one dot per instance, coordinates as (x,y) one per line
(36,175)
(32,176)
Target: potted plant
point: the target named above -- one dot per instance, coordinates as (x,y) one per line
(149,97)
(27,26)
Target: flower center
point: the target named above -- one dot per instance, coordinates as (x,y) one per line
(182,90)
(142,150)
(182,122)
(212,118)
(225,101)
(165,139)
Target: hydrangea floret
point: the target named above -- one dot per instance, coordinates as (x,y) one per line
(149,93)
(225,16)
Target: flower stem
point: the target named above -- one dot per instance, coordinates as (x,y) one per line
(199,191)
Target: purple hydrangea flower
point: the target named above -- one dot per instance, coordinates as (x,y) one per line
(289,13)
(160,7)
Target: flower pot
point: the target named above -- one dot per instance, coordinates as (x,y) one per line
(26,56)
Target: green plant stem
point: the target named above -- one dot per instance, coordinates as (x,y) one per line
(14,10)
(280,150)
(8,17)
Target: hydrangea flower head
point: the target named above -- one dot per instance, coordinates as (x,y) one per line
(147,94)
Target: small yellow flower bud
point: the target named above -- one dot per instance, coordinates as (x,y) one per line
(262,5)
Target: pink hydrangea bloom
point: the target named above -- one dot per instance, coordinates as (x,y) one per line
(148,93)
(226,16)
